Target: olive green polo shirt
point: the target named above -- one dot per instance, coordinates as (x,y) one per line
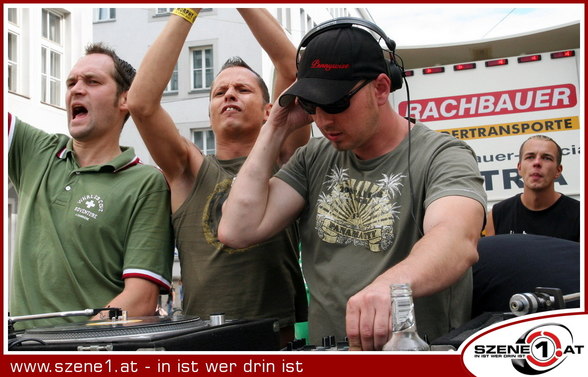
(82,231)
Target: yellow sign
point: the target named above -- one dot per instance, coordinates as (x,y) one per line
(514,129)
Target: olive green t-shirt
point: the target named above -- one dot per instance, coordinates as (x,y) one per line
(358,222)
(261,281)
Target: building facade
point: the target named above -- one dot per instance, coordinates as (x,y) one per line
(217,34)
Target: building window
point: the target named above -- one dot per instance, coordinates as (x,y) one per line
(167,11)
(52,24)
(51,58)
(12,62)
(13,54)
(284,17)
(288,20)
(306,23)
(309,23)
(202,68)
(302,22)
(50,76)
(204,140)
(104,14)
(339,12)
(163,11)
(13,16)
(172,85)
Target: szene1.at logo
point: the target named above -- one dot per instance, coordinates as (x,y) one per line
(549,345)
(537,351)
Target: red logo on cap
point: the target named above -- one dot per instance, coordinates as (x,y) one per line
(327,67)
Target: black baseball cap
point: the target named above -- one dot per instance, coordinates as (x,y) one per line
(333,63)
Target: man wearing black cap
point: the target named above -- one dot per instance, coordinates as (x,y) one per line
(361,204)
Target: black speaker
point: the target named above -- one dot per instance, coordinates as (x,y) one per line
(395,71)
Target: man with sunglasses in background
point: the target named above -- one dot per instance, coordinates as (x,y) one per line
(361,203)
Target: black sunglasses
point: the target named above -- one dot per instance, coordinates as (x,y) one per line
(333,108)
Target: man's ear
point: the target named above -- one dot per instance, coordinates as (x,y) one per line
(382,85)
(559,170)
(267,109)
(122,101)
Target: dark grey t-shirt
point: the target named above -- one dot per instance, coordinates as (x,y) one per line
(358,222)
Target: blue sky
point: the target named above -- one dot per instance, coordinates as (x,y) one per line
(424,24)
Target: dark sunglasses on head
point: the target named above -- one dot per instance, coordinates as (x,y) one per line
(333,108)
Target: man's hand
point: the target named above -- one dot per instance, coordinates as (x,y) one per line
(368,317)
(291,117)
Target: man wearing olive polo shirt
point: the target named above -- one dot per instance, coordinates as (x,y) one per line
(94,223)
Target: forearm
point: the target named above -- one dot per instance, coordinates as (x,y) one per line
(139,298)
(446,251)
(157,67)
(178,159)
(244,211)
(272,38)
(295,140)
(437,261)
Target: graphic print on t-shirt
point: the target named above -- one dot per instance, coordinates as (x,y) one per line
(212,214)
(361,213)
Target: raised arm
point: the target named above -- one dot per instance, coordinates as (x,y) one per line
(178,159)
(438,260)
(272,38)
(258,205)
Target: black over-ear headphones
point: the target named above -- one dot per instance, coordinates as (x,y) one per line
(395,71)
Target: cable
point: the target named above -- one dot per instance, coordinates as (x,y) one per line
(499,22)
(18,342)
(410,186)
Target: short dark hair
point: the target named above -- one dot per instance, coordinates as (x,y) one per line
(544,138)
(236,61)
(124,73)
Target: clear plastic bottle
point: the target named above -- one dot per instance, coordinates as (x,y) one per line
(404,335)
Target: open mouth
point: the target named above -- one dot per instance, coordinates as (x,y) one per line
(78,110)
(230,109)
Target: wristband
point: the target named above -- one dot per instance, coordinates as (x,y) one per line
(186,13)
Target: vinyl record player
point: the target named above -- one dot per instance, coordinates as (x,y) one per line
(169,333)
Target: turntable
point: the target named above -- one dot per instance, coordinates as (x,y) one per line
(169,333)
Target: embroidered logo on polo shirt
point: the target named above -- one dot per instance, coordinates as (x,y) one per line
(89,206)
